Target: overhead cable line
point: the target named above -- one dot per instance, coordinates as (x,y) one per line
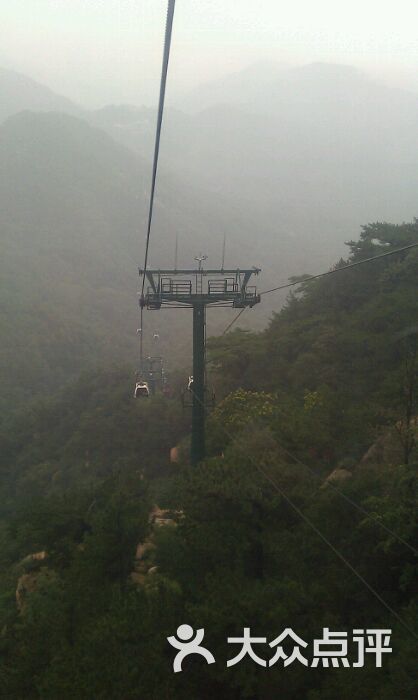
(163,82)
(335,488)
(339,269)
(166,56)
(343,495)
(233,321)
(348,499)
(324,274)
(336,551)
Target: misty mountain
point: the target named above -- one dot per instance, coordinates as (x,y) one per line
(19,92)
(248,86)
(286,185)
(74,206)
(264,87)
(295,156)
(66,203)
(311,152)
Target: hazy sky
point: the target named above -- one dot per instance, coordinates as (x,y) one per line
(101,51)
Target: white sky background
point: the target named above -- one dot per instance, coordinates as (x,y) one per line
(109,51)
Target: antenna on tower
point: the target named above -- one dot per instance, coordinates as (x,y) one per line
(176,251)
(223,252)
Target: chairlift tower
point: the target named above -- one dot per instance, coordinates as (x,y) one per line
(198,289)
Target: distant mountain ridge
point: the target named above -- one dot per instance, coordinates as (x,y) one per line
(287,187)
(19,92)
(315,150)
(261,87)
(73,208)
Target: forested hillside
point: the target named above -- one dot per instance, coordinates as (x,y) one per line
(68,216)
(74,187)
(344,347)
(73,214)
(312,461)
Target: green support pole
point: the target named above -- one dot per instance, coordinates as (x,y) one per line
(198,409)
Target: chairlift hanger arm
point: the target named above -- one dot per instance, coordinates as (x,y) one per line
(150,278)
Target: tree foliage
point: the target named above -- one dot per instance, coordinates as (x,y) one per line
(334,372)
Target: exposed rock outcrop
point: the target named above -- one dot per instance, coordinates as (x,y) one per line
(144,564)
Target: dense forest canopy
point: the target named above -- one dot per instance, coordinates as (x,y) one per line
(316,415)
(347,340)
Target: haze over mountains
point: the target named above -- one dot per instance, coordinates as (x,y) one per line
(320,147)
(289,163)
(19,92)
(72,203)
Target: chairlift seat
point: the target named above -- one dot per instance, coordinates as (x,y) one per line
(141,390)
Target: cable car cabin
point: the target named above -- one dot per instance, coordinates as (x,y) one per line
(190,384)
(141,390)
